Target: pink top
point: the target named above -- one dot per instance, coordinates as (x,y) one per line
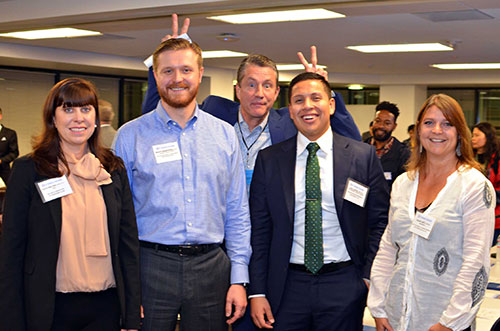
(84,262)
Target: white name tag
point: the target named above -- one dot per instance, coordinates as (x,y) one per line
(422,225)
(53,188)
(388,175)
(356,192)
(167,152)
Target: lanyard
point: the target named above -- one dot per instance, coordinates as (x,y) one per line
(244,141)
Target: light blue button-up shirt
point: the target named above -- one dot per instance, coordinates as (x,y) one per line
(194,196)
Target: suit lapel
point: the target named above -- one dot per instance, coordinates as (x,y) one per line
(56,214)
(342,159)
(275,127)
(107,193)
(286,163)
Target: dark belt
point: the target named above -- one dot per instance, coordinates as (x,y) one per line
(326,268)
(181,249)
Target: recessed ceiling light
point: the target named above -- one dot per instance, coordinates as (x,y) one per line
(50,33)
(219,54)
(291,67)
(465,66)
(394,48)
(355,87)
(278,16)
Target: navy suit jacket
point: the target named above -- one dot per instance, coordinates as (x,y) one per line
(281,126)
(272,210)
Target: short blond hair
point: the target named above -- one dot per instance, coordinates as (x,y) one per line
(176,45)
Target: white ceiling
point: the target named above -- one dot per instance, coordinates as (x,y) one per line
(133,29)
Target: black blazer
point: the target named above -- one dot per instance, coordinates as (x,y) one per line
(272,210)
(30,243)
(8,151)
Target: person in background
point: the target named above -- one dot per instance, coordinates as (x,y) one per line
(431,270)
(8,150)
(367,134)
(391,152)
(487,151)
(411,133)
(107,131)
(69,255)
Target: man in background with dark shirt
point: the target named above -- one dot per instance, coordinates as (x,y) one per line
(392,153)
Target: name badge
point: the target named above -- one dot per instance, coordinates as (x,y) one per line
(248,175)
(356,192)
(388,175)
(422,225)
(166,152)
(53,188)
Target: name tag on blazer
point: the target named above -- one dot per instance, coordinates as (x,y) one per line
(53,188)
(356,192)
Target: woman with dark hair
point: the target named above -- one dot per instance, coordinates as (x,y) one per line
(486,148)
(69,256)
(432,266)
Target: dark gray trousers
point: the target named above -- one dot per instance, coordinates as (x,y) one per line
(193,286)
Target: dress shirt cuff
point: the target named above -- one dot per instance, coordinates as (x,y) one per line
(378,313)
(256,296)
(239,273)
(148,62)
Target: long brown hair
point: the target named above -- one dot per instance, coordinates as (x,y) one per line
(70,92)
(454,114)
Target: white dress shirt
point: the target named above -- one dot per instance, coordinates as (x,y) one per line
(334,249)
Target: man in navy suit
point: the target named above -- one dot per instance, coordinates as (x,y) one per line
(285,292)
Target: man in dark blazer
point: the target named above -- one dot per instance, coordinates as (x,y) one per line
(284,292)
(8,150)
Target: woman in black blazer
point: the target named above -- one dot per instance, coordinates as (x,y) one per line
(69,260)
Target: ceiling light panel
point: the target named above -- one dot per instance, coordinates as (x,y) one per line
(50,33)
(220,54)
(291,67)
(278,16)
(467,66)
(401,48)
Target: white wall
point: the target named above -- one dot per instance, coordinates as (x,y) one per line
(409,99)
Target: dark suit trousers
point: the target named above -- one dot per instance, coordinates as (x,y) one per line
(326,302)
(193,286)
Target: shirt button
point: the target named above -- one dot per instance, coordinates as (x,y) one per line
(190,224)
(184,133)
(187,177)
(188,200)
(185,155)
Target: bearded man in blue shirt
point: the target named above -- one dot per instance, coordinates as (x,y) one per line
(188,183)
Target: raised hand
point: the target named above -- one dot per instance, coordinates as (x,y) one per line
(175,28)
(314,62)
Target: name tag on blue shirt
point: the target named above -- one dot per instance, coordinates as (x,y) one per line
(166,152)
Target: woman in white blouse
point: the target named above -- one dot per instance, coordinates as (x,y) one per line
(432,267)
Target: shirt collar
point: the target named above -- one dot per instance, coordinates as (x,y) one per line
(166,119)
(325,142)
(244,124)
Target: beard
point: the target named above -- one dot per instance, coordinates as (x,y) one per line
(381,135)
(178,101)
